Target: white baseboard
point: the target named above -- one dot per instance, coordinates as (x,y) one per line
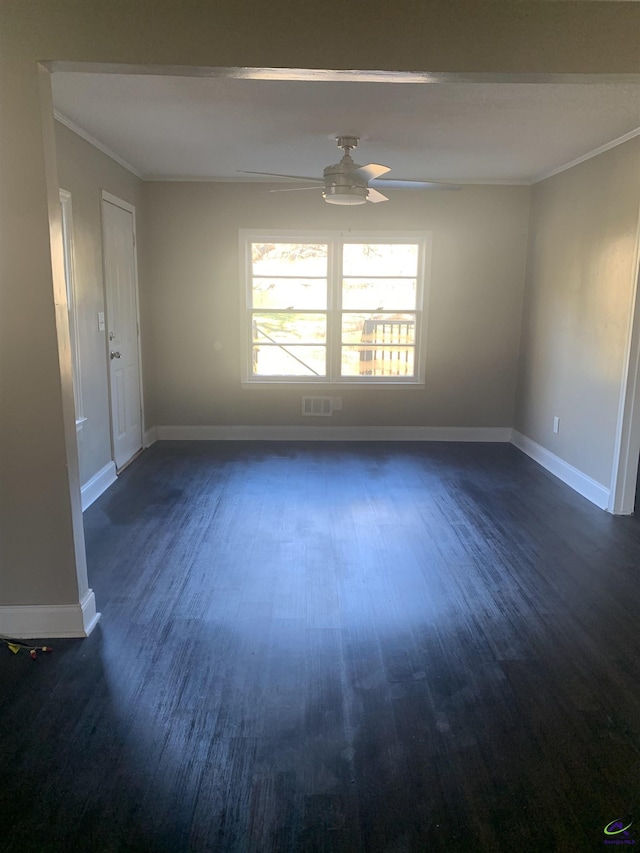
(27,622)
(150,437)
(580,482)
(98,484)
(329,433)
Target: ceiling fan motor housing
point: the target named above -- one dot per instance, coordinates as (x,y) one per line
(342,185)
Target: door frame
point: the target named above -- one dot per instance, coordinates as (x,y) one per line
(72,303)
(626,454)
(130,208)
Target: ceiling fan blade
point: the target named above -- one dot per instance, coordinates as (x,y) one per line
(375,196)
(415,185)
(371,170)
(293,189)
(276,175)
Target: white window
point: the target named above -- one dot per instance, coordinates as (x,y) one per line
(334,307)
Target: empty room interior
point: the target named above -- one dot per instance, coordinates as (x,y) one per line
(320,427)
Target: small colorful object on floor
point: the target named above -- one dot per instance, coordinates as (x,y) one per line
(15,646)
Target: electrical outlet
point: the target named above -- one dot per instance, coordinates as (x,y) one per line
(556,425)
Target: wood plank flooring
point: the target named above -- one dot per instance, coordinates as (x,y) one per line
(335,647)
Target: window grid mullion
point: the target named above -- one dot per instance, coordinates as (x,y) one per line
(289,311)
(334,297)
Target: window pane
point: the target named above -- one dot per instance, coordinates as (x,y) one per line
(361,259)
(379,328)
(289,328)
(377,361)
(295,259)
(379,294)
(290,293)
(273,360)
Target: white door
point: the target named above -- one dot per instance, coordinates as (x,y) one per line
(122,328)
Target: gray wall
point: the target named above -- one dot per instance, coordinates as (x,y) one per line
(191,300)
(85,171)
(580,277)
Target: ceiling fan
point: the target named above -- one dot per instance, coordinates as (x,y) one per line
(348,183)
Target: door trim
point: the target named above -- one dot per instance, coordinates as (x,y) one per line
(626,452)
(130,208)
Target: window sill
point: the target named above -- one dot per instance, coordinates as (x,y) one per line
(332,386)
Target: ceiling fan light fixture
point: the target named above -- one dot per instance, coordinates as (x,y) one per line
(347,183)
(345,195)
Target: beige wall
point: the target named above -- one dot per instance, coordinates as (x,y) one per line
(38,506)
(579,293)
(85,171)
(191,300)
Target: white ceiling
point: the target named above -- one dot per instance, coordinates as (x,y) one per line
(208,128)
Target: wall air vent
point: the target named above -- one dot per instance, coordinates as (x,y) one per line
(317,406)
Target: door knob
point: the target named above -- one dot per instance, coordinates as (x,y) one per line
(115,354)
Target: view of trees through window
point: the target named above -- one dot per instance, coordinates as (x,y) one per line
(333,310)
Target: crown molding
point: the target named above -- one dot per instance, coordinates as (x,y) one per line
(588,156)
(96,143)
(189,179)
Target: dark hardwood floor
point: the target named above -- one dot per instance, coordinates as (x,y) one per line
(335,647)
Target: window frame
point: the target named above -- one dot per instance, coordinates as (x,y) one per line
(335,240)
